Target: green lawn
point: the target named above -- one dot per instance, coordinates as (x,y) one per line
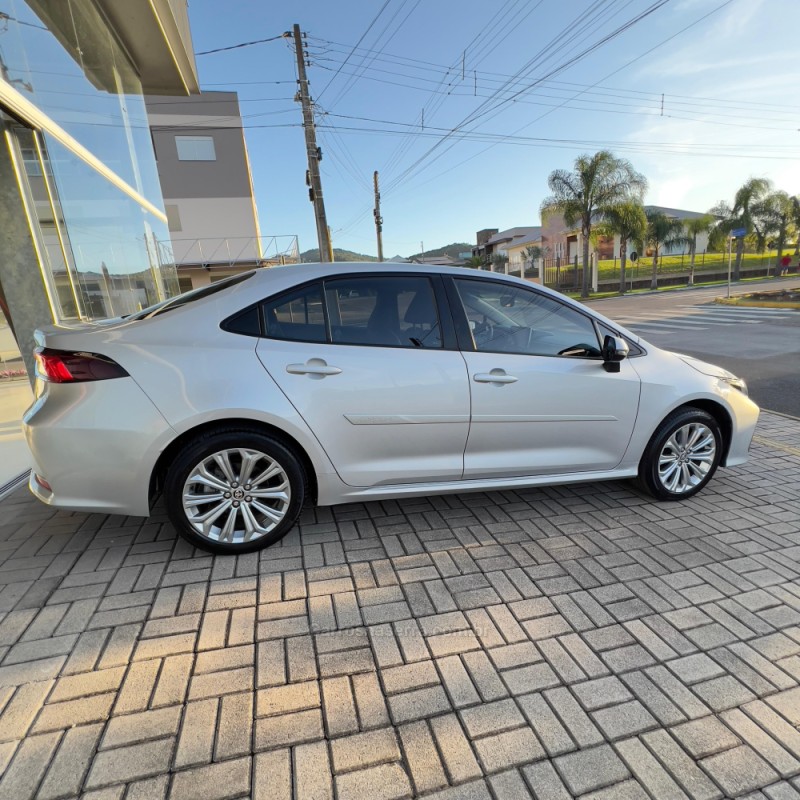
(704,262)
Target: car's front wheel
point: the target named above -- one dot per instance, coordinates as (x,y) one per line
(234,491)
(682,455)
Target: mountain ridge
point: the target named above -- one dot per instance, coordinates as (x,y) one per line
(340,254)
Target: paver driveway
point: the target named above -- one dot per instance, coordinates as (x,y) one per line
(549,643)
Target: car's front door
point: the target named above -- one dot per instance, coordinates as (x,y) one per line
(364,361)
(541,401)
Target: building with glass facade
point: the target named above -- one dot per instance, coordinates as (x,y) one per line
(83,229)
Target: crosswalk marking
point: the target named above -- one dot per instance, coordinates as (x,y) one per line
(656,326)
(740,310)
(670,321)
(700,318)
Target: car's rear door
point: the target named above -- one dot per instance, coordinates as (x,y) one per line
(371,364)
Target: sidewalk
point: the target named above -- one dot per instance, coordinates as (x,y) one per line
(548,643)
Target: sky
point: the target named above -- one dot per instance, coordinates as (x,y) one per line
(511,90)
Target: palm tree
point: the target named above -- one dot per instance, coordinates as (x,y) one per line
(742,214)
(596,183)
(628,221)
(662,232)
(720,229)
(772,217)
(694,227)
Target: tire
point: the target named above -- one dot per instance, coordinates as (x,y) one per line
(236,518)
(682,455)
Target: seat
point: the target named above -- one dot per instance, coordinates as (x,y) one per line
(423,320)
(383,324)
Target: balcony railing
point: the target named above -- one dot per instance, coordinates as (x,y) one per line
(215,251)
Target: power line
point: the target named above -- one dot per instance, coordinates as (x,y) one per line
(186,101)
(497,22)
(577,26)
(364,66)
(489,106)
(361,39)
(604,78)
(248,83)
(538,138)
(701,147)
(602,105)
(237,46)
(600,91)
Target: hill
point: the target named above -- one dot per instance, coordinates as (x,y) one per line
(338,255)
(451,250)
(348,255)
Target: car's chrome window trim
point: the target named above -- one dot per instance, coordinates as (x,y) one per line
(443,310)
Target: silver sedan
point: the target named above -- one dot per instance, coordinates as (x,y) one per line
(244,400)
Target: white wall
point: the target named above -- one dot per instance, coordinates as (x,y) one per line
(212,221)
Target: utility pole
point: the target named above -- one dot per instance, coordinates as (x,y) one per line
(377,214)
(313,152)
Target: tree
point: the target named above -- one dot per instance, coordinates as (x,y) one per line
(694,227)
(596,183)
(721,227)
(628,221)
(531,254)
(796,222)
(662,232)
(500,260)
(745,204)
(476,262)
(777,215)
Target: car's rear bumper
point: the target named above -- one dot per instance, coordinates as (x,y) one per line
(95,445)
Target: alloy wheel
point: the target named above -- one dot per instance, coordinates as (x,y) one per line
(687,457)
(236,495)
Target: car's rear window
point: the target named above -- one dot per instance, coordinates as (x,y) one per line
(189,297)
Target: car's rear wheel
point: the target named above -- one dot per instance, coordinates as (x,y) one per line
(234,491)
(682,455)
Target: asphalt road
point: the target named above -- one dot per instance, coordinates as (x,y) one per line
(760,345)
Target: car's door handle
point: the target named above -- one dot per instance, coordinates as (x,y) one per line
(316,367)
(495,376)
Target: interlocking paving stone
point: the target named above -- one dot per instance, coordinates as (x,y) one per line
(533,643)
(591,769)
(739,771)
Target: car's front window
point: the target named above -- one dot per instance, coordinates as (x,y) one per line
(511,319)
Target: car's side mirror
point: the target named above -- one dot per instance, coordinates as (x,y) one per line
(615,349)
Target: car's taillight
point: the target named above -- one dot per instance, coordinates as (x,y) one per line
(63,366)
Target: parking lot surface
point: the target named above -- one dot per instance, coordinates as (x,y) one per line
(580,641)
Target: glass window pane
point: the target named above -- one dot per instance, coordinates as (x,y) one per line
(83,80)
(121,253)
(298,317)
(195,148)
(190,297)
(510,319)
(383,311)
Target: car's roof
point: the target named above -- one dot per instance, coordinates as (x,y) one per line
(318,269)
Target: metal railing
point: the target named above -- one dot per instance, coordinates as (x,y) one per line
(216,251)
